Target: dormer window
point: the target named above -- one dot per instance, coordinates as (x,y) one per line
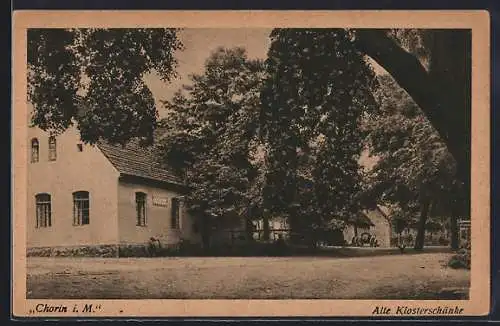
(52,148)
(34,150)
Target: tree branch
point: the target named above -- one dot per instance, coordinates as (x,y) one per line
(403,66)
(409,73)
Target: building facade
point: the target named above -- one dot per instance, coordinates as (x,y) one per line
(376,222)
(99,200)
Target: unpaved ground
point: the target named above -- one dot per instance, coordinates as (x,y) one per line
(419,276)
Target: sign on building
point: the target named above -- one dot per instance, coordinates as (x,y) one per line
(160,201)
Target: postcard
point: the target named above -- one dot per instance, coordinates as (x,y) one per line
(250,164)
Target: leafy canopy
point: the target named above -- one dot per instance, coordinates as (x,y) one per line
(94,78)
(317,90)
(211,134)
(413,162)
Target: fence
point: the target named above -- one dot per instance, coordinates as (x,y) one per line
(235,236)
(238,236)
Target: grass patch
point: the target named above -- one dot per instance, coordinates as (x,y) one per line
(461,260)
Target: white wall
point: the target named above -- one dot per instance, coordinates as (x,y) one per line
(88,170)
(349,233)
(382,229)
(158,218)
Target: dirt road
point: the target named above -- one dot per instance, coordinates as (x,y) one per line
(421,276)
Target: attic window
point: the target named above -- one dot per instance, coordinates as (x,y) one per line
(52,148)
(80,147)
(34,150)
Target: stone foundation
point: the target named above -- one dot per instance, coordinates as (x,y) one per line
(121,250)
(147,250)
(74,251)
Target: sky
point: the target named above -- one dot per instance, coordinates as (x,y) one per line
(199,43)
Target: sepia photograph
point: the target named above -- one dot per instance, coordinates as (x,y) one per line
(249,163)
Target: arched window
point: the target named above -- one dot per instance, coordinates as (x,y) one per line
(43,211)
(34,150)
(81,208)
(52,148)
(140,204)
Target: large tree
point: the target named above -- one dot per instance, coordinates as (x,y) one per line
(434,67)
(95,78)
(415,170)
(118,106)
(211,139)
(318,87)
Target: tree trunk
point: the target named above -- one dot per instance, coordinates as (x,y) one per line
(401,245)
(420,238)
(443,93)
(298,233)
(265,226)
(314,240)
(206,232)
(454,236)
(249,228)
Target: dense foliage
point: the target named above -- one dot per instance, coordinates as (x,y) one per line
(94,77)
(280,137)
(415,173)
(434,67)
(212,138)
(318,88)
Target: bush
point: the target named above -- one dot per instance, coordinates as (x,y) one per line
(248,249)
(187,248)
(133,251)
(462,259)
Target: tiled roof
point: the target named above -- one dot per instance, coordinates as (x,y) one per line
(360,220)
(134,160)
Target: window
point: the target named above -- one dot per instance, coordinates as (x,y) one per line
(43,211)
(175,213)
(52,148)
(79,147)
(34,150)
(81,208)
(140,204)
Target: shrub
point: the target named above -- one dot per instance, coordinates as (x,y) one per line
(133,251)
(187,248)
(248,249)
(462,259)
